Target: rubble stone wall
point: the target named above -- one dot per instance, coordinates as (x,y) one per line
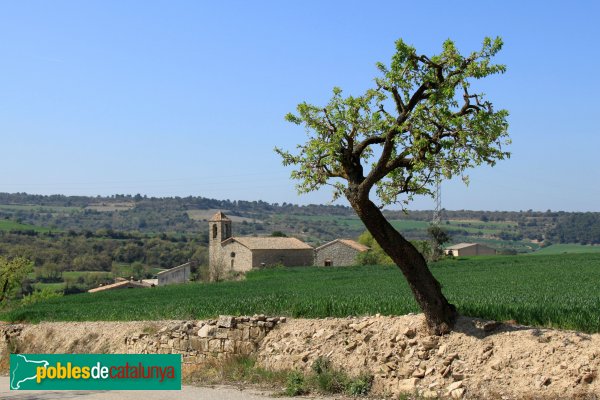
(197,341)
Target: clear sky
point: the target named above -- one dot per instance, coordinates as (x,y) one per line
(178,98)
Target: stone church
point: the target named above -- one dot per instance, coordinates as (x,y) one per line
(244,253)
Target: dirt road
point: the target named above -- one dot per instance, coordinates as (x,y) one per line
(187,393)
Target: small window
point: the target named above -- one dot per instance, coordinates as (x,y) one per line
(233,254)
(214,231)
(232,263)
(328,263)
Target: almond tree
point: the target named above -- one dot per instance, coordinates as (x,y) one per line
(419,119)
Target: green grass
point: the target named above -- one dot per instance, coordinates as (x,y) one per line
(567,248)
(553,291)
(9,225)
(57,287)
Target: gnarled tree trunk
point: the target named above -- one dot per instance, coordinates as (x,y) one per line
(440,314)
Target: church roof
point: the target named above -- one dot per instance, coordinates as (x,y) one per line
(272,243)
(348,242)
(219,216)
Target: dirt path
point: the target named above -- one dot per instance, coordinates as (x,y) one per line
(187,393)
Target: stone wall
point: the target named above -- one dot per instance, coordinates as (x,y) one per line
(338,253)
(242,260)
(197,341)
(287,257)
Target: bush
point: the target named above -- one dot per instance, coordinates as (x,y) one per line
(360,386)
(40,295)
(295,385)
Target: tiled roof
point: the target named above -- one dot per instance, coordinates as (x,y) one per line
(272,243)
(219,216)
(348,242)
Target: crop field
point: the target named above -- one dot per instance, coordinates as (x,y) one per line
(568,248)
(8,225)
(547,290)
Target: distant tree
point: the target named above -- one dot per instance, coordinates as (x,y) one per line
(395,138)
(278,234)
(438,237)
(12,273)
(376,255)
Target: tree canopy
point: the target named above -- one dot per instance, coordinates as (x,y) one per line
(419,118)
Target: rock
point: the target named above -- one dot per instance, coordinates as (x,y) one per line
(390,366)
(446,371)
(405,371)
(407,385)
(454,386)
(207,331)
(588,378)
(351,346)
(544,381)
(360,326)
(457,393)
(418,373)
(410,333)
(487,326)
(458,376)
(429,394)
(429,342)
(163,329)
(451,357)
(442,350)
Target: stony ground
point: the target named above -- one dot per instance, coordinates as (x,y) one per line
(479,360)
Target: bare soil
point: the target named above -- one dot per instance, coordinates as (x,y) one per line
(480,359)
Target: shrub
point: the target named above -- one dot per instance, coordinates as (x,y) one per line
(295,385)
(360,386)
(40,295)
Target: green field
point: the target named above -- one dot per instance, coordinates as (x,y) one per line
(9,225)
(567,249)
(552,291)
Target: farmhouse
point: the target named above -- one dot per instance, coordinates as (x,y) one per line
(469,249)
(338,252)
(229,253)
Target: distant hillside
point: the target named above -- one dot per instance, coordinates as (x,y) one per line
(522,230)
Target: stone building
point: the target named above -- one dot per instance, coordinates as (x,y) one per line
(180,274)
(229,253)
(340,252)
(469,249)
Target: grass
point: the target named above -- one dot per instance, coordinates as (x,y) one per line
(547,290)
(9,225)
(567,248)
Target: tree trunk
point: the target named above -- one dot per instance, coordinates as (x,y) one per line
(440,314)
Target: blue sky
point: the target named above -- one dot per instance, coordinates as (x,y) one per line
(180,98)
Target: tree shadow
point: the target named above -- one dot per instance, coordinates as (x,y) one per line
(483,328)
